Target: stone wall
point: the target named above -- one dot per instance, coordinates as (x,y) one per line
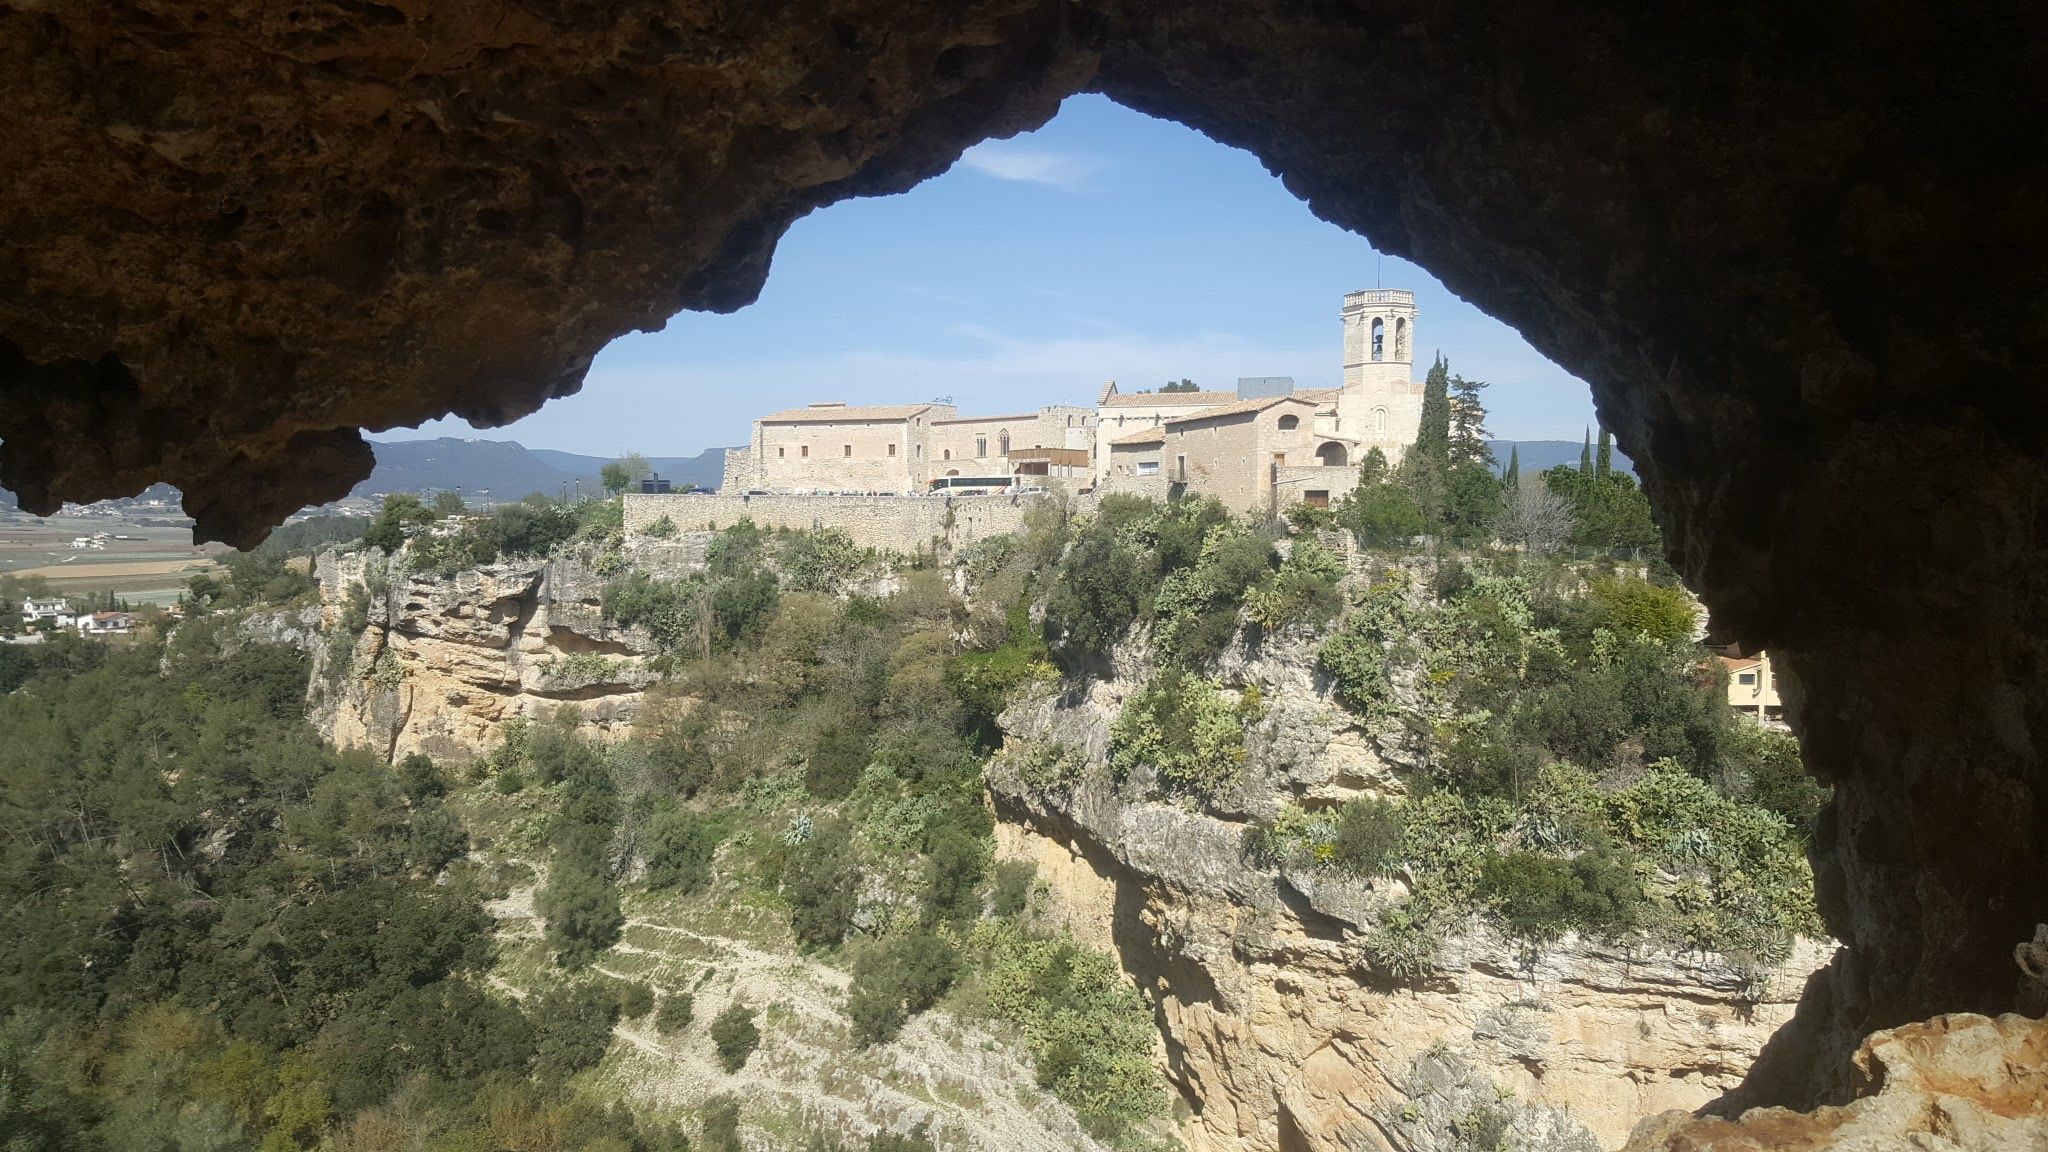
(885,523)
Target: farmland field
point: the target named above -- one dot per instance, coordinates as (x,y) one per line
(150,567)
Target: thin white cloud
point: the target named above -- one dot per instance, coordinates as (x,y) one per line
(1006,161)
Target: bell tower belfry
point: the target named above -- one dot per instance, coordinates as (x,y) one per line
(1379,336)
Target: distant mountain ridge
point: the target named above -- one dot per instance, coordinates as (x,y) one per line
(1542,455)
(507,470)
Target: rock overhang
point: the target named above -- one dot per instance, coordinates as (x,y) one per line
(1795,254)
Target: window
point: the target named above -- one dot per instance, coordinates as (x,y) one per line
(946,454)
(847,450)
(1180,467)
(980,446)
(892,449)
(1004,441)
(1289,422)
(779,452)
(1316,498)
(1379,338)
(804,451)
(1745,678)
(1379,421)
(917,451)
(1148,467)
(1401,339)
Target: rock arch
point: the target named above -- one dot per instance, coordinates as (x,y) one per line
(330,221)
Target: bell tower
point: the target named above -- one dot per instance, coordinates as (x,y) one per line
(1379,336)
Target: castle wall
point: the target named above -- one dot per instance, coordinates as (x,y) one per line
(885,523)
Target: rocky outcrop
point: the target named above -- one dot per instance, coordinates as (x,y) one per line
(1280,1034)
(1953,1082)
(420,662)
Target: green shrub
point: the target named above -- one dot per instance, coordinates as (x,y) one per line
(819,883)
(1539,898)
(1303,591)
(1091,1034)
(818,560)
(722,1124)
(1368,838)
(678,846)
(635,999)
(896,979)
(735,1036)
(1183,727)
(662,529)
(1014,881)
(1357,656)
(838,757)
(676,1011)
(955,859)
(574,1024)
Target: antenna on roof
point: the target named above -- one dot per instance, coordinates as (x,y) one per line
(1377,260)
(942,399)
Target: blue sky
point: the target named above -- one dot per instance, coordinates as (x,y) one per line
(1106,245)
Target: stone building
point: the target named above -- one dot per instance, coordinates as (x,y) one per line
(1257,451)
(891,448)
(1262,446)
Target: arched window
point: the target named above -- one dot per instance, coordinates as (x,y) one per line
(1332,455)
(1379,421)
(1379,338)
(980,447)
(952,471)
(1401,339)
(947,454)
(1290,422)
(1003,444)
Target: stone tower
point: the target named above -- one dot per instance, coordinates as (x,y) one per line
(1379,336)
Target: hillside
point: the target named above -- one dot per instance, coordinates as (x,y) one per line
(1539,455)
(507,469)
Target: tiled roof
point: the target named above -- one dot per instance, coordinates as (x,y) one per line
(1169,399)
(1141,436)
(1241,408)
(836,413)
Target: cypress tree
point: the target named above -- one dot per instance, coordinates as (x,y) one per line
(1433,434)
(1513,476)
(1586,455)
(1603,463)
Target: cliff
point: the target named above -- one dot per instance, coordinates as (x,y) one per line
(424,662)
(1279,1031)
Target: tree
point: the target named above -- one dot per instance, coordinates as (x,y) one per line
(622,473)
(401,516)
(735,1035)
(1586,455)
(1467,431)
(1181,385)
(1536,518)
(447,503)
(1433,433)
(1512,474)
(1603,460)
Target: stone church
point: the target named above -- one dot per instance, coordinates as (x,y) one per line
(1257,448)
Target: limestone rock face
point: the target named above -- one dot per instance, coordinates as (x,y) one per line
(1953,1082)
(1280,1034)
(441,661)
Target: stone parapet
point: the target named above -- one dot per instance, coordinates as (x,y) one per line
(903,524)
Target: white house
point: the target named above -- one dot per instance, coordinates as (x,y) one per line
(54,612)
(106,624)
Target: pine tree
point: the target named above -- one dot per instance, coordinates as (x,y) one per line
(1603,463)
(1586,455)
(1513,476)
(1433,434)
